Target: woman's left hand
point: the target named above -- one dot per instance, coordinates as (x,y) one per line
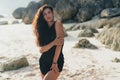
(55,68)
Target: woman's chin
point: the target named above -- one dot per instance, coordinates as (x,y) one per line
(50,20)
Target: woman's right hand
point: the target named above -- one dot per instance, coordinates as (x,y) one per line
(58,41)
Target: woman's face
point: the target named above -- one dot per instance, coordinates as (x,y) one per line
(48,15)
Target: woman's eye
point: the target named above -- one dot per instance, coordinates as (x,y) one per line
(44,14)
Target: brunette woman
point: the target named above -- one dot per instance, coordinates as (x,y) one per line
(49,36)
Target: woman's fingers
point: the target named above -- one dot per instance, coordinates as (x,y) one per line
(54,68)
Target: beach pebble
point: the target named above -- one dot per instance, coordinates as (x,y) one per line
(15,22)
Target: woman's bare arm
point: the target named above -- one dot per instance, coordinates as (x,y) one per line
(46,47)
(60,34)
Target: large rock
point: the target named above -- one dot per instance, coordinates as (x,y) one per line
(111,37)
(112,22)
(78,10)
(14,63)
(89,28)
(19,12)
(86,33)
(96,23)
(108,4)
(84,14)
(110,12)
(94,5)
(3,22)
(30,12)
(89,8)
(116,3)
(50,2)
(65,10)
(84,43)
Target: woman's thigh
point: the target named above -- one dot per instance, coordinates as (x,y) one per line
(51,75)
(42,76)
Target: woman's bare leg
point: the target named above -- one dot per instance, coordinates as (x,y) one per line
(42,76)
(51,75)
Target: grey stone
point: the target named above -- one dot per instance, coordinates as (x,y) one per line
(111,37)
(15,22)
(84,14)
(86,33)
(14,63)
(116,3)
(110,12)
(65,10)
(19,12)
(3,22)
(84,43)
(30,12)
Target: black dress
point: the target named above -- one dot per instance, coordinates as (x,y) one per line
(46,59)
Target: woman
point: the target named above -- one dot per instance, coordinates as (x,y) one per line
(50,39)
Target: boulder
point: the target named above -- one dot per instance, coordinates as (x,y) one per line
(64,10)
(89,28)
(86,33)
(3,22)
(88,9)
(30,11)
(111,37)
(50,2)
(96,17)
(84,43)
(116,3)
(95,23)
(74,27)
(78,10)
(18,13)
(108,4)
(110,12)
(84,14)
(14,63)
(108,26)
(94,5)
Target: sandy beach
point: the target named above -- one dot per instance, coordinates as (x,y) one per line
(80,64)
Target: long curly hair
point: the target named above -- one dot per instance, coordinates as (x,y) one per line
(40,26)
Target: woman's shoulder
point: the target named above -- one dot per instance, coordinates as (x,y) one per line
(58,22)
(59,26)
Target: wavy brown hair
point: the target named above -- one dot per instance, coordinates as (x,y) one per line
(40,26)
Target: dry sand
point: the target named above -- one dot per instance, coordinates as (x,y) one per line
(80,64)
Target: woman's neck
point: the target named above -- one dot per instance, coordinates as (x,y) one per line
(50,23)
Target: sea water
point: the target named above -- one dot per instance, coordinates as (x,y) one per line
(8,6)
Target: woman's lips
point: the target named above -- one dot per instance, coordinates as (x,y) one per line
(48,18)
